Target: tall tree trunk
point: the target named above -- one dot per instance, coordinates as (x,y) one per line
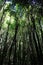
(13,45)
(2,15)
(23,51)
(39,53)
(19,53)
(32,56)
(39,19)
(5,48)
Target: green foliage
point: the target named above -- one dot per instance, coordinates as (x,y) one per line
(22,31)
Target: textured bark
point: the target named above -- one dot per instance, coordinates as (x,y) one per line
(13,45)
(5,48)
(19,54)
(14,42)
(32,56)
(39,52)
(2,15)
(40,28)
(23,51)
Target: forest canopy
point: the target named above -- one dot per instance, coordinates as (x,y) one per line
(21,32)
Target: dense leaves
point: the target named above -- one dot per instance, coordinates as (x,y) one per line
(21,32)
